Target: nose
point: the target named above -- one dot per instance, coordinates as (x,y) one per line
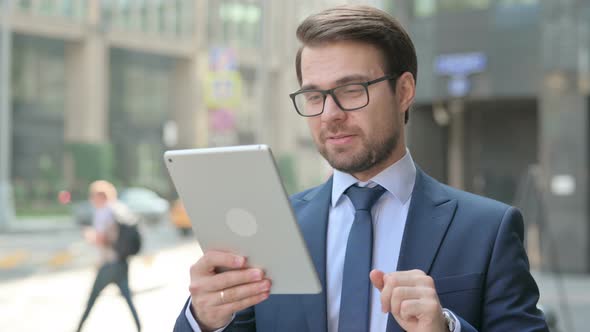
(331,110)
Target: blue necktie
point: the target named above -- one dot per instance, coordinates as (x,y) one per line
(356,286)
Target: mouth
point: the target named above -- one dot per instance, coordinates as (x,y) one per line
(339,139)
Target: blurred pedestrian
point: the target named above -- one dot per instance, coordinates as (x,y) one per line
(109,213)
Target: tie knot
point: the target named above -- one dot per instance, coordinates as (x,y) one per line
(363,198)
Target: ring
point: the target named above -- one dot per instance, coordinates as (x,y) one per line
(222,296)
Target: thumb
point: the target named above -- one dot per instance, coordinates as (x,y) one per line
(376,277)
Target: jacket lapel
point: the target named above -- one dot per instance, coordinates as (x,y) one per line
(429,217)
(312,214)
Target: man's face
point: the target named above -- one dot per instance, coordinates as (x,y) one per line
(361,142)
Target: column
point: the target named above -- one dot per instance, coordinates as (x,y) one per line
(564,137)
(6,202)
(87,82)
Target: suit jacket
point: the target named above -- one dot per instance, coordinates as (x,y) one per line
(470,245)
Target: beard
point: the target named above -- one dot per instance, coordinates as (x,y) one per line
(373,150)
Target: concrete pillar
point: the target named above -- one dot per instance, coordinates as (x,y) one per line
(87,77)
(564,136)
(188,110)
(87,81)
(456,144)
(564,155)
(86,116)
(6,200)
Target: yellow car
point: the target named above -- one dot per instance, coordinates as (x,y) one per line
(180,218)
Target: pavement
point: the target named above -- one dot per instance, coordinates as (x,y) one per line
(44,224)
(55,301)
(564,297)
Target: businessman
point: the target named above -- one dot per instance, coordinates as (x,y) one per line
(395,250)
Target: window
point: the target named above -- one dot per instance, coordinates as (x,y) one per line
(509,3)
(426,8)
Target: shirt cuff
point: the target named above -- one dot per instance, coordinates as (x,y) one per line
(193,322)
(457,321)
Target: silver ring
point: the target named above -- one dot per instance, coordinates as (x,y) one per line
(222,296)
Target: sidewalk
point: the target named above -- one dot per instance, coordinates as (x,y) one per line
(41,224)
(567,296)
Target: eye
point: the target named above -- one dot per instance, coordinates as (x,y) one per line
(351,90)
(314,97)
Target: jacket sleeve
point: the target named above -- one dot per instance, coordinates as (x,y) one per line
(511,296)
(243,322)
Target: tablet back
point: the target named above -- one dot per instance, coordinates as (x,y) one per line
(236,202)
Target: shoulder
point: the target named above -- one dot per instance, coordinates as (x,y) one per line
(472,208)
(305,195)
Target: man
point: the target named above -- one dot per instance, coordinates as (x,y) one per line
(113,268)
(441,259)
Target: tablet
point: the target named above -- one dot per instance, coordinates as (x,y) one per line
(237,203)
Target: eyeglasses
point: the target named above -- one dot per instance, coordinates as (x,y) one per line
(348,97)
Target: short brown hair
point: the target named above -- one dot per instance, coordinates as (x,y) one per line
(363,24)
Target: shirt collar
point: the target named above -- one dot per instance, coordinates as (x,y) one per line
(398,179)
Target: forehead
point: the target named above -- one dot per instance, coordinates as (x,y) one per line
(325,64)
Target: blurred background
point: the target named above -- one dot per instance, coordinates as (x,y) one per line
(100,89)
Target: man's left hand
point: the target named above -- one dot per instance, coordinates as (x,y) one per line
(411,298)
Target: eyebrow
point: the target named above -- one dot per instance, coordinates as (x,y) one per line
(344,80)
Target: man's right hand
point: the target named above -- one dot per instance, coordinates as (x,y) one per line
(216,296)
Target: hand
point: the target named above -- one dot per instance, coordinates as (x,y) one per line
(411,298)
(216,296)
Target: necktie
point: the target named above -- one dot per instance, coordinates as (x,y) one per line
(356,285)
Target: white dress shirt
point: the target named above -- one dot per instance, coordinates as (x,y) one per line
(389,219)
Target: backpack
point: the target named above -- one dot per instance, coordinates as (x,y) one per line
(128,242)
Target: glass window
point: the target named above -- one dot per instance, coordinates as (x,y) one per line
(426,8)
(239,24)
(508,3)
(38,75)
(458,5)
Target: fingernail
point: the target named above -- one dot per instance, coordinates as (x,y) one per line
(265,286)
(238,261)
(256,274)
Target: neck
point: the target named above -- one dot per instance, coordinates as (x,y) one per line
(370,173)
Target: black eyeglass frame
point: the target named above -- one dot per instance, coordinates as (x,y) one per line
(331,93)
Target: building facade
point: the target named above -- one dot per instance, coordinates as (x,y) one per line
(503,110)
(100,89)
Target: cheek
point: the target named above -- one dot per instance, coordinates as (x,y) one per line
(314,125)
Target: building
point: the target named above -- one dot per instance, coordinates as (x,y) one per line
(503,99)
(99,89)
(102,88)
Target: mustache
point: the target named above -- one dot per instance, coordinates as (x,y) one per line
(333,129)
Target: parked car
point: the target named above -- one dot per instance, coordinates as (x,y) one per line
(150,207)
(180,218)
(145,203)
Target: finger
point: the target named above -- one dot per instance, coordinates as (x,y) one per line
(409,278)
(233,278)
(376,277)
(212,259)
(401,294)
(386,296)
(241,292)
(410,310)
(222,313)
(244,303)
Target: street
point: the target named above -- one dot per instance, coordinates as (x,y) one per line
(47,285)
(45,278)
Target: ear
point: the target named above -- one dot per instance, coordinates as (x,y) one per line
(405,91)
